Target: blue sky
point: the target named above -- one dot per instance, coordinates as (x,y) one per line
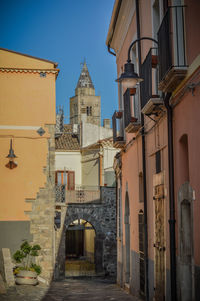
(64,31)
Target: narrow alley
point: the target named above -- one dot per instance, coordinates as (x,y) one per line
(97,289)
(99,150)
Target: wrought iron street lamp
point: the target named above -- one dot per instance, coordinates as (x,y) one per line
(129,78)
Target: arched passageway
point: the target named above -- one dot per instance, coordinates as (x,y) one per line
(80,248)
(101,218)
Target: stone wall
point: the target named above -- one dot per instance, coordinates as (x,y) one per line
(42,214)
(102,217)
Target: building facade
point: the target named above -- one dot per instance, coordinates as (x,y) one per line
(156,127)
(85,188)
(27,126)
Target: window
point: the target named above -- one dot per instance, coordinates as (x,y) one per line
(43,74)
(158,162)
(141,187)
(66,178)
(89,111)
(184,159)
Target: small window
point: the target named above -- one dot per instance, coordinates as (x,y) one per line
(89,111)
(158,162)
(43,74)
(66,178)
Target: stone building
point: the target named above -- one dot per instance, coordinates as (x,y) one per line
(85,102)
(85,188)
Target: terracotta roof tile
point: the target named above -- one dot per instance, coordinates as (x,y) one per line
(106,142)
(67,141)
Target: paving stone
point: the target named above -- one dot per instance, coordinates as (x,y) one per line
(77,289)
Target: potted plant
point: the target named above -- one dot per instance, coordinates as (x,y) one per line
(27,270)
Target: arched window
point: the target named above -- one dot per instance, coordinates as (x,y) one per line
(184,159)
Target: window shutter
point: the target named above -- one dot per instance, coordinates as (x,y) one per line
(71,180)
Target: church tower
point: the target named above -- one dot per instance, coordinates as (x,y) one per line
(85,105)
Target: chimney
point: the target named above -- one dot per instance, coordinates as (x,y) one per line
(106,123)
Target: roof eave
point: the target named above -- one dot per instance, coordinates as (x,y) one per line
(113,21)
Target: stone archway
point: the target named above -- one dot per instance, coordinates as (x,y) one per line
(99,237)
(102,217)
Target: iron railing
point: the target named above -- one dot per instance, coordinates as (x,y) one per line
(117,123)
(127,108)
(81,194)
(171,41)
(60,193)
(146,74)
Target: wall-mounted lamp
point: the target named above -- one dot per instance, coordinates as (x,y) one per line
(11,156)
(129,78)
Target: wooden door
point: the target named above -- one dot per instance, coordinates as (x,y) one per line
(74,243)
(141,251)
(159,244)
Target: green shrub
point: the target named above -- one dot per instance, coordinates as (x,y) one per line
(25,256)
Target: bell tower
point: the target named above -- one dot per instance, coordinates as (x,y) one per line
(85,105)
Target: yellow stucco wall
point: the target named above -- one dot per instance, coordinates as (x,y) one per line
(27,102)
(11,59)
(89,236)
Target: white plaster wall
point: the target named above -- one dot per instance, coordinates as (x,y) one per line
(108,160)
(109,154)
(69,161)
(92,133)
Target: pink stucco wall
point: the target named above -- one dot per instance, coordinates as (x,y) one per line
(186,121)
(132,166)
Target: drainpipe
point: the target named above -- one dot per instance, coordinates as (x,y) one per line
(111,52)
(100,169)
(171,198)
(144,166)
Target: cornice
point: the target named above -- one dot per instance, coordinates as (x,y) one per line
(24,70)
(123,22)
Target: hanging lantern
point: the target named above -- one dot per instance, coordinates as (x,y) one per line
(11,164)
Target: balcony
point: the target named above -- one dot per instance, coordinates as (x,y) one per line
(118,129)
(131,111)
(81,194)
(151,102)
(171,45)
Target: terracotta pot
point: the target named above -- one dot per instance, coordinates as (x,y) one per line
(26,277)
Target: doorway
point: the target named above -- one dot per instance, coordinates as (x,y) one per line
(80,249)
(127,239)
(141,251)
(185,243)
(159,244)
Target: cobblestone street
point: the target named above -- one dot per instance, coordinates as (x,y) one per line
(97,289)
